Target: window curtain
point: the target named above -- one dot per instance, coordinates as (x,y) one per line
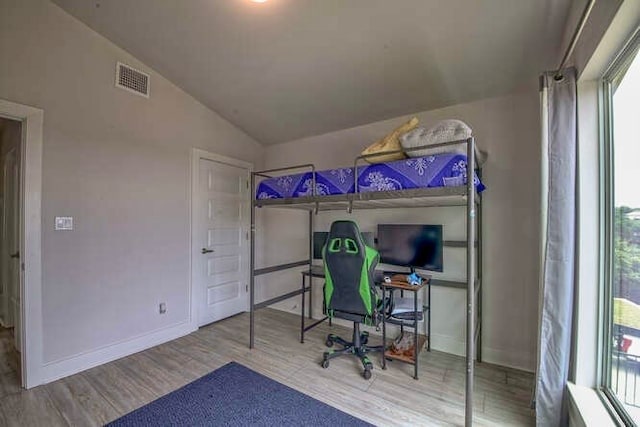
(558,248)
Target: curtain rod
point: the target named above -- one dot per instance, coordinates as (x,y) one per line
(574,39)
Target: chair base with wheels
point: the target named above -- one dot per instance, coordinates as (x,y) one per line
(358,347)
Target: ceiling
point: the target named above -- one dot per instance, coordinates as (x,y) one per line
(287,69)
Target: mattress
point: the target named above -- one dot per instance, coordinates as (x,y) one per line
(439,170)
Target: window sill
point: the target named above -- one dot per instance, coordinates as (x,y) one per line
(587,409)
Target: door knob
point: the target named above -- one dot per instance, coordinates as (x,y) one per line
(16,255)
(207,251)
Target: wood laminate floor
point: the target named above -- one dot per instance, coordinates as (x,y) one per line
(390,397)
(9,363)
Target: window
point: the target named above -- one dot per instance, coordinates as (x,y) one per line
(621,311)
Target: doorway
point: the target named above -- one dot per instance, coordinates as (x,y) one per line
(25,267)
(10,214)
(220,231)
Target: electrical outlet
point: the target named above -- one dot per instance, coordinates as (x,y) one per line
(163,308)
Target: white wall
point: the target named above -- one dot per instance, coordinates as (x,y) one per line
(508,128)
(120,165)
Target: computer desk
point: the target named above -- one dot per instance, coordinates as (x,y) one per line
(317,271)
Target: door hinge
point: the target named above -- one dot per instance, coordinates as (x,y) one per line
(246,235)
(247,185)
(22,266)
(246,288)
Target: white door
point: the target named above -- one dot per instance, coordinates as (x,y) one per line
(11,245)
(220,240)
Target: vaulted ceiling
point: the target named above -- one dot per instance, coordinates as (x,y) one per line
(286,69)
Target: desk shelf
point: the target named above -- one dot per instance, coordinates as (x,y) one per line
(422,339)
(398,283)
(406,322)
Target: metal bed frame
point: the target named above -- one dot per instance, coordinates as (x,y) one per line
(424,197)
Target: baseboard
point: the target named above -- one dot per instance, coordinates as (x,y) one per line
(520,360)
(290,306)
(509,359)
(56,370)
(447,344)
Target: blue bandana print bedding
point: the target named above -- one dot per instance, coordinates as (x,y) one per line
(440,170)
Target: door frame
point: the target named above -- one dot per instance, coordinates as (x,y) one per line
(30,237)
(196,155)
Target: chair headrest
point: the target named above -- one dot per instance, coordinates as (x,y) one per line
(347,229)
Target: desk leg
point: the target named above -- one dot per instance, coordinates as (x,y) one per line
(415,335)
(302,313)
(310,297)
(402,324)
(429,317)
(384,327)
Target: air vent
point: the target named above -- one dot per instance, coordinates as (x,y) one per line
(133,80)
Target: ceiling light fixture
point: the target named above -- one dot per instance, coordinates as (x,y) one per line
(258,1)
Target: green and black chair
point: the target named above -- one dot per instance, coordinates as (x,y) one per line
(349,290)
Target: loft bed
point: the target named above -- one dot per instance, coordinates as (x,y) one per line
(441,180)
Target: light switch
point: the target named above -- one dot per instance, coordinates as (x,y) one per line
(64,223)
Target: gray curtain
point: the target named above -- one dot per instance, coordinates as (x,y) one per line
(558,249)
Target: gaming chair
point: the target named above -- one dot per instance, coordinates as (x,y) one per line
(349,291)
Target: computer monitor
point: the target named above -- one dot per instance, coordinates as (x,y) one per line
(320,238)
(411,245)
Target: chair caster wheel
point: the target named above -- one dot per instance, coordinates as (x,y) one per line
(325,364)
(329,341)
(367,374)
